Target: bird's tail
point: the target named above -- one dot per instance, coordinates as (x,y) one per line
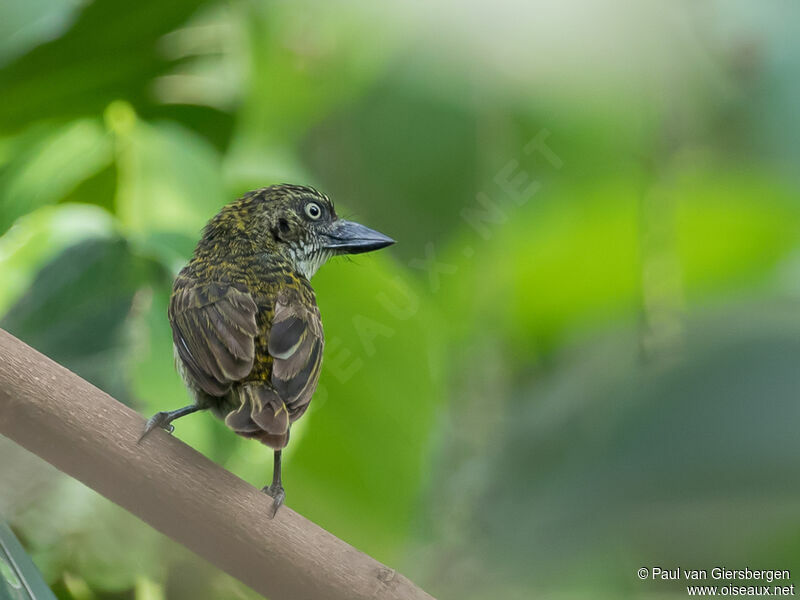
(262,415)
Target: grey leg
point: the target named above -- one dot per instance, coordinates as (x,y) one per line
(164,419)
(276,490)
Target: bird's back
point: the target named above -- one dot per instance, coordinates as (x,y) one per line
(248,340)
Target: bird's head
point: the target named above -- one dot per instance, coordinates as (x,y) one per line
(293,222)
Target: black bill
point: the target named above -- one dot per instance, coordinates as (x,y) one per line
(348,237)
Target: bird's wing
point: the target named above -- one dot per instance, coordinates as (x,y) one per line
(295,343)
(214,328)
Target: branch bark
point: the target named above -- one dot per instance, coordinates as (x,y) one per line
(90,436)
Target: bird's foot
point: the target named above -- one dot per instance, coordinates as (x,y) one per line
(160,419)
(278,495)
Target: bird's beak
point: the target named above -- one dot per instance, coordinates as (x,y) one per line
(348,237)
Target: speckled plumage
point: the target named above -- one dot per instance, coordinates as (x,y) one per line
(246,328)
(233,266)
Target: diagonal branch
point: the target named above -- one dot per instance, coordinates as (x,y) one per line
(90,436)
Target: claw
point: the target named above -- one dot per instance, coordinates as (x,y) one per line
(278,495)
(160,419)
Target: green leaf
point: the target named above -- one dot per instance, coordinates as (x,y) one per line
(298,69)
(38,237)
(45,164)
(110,52)
(76,309)
(733,228)
(302,68)
(170,183)
(723,232)
(507,278)
(26,24)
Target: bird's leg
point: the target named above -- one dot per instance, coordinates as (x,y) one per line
(276,489)
(164,419)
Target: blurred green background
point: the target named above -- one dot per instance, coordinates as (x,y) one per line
(582,356)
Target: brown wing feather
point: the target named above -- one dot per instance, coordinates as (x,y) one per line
(214,328)
(295,342)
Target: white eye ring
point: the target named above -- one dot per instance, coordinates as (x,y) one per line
(313,211)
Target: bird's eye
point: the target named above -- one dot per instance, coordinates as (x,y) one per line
(313,211)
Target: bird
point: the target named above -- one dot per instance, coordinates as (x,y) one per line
(246,330)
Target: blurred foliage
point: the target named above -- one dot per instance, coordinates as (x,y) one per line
(578,360)
(84,296)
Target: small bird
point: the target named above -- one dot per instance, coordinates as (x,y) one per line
(246,329)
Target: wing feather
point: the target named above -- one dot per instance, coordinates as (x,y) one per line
(214,329)
(285,336)
(296,342)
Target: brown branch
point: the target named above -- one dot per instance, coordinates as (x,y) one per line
(90,436)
